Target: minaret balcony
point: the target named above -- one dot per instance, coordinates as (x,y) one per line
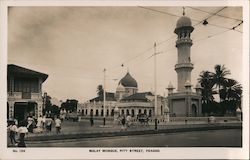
(182,41)
(184,65)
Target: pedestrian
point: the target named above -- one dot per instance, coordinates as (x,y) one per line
(48,124)
(39,125)
(44,121)
(30,121)
(123,123)
(58,123)
(91,118)
(91,121)
(22,130)
(128,119)
(12,135)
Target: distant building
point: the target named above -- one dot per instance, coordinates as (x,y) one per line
(184,102)
(24,92)
(126,99)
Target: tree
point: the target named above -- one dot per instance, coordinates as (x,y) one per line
(229,90)
(100,90)
(231,94)
(48,105)
(232,90)
(70,105)
(206,81)
(219,77)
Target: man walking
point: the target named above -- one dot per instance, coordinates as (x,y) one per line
(58,123)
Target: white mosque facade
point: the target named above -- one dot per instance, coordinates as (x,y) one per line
(126,100)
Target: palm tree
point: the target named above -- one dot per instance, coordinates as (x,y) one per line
(206,81)
(231,94)
(99,90)
(219,77)
(232,90)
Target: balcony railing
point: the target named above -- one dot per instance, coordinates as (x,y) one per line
(135,104)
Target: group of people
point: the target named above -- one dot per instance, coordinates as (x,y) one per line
(126,121)
(42,124)
(20,130)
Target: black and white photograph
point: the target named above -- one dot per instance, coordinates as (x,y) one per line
(125,79)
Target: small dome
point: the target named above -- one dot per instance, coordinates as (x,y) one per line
(187,83)
(238,110)
(128,81)
(184,21)
(170,86)
(120,88)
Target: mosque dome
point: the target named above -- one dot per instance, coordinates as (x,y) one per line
(184,21)
(128,81)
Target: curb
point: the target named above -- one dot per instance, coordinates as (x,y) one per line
(135,132)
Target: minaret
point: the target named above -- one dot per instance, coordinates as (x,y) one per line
(183,44)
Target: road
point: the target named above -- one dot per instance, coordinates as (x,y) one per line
(212,138)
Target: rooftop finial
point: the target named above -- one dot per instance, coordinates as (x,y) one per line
(183,13)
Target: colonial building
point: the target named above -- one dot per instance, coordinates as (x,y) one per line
(126,99)
(24,92)
(184,102)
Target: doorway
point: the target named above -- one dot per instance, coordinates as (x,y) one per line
(194,110)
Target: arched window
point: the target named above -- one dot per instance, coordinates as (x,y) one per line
(91,112)
(102,112)
(127,112)
(139,111)
(83,112)
(150,113)
(96,113)
(86,111)
(112,112)
(194,110)
(122,111)
(107,113)
(145,111)
(133,113)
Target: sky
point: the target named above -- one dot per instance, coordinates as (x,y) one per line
(73,45)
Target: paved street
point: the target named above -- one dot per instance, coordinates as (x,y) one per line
(215,138)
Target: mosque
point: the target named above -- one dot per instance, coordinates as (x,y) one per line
(126,100)
(184,102)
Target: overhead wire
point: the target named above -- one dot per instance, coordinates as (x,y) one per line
(159,43)
(214,13)
(196,20)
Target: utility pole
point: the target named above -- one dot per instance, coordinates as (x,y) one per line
(104,95)
(155,80)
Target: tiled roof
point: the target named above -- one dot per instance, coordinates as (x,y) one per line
(138,96)
(19,71)
(109,97)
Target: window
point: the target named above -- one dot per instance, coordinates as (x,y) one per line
(26,85)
